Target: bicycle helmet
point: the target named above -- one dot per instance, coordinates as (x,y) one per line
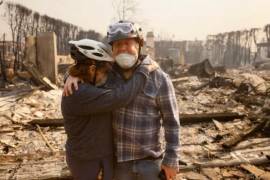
(87,48)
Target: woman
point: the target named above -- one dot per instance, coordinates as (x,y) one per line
(87,112)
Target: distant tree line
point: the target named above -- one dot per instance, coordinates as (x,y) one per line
(23,22)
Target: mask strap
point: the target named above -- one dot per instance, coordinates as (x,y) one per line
(97,65)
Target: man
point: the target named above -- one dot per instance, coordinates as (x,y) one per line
(137,127)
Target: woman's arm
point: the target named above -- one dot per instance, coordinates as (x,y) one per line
(89,99)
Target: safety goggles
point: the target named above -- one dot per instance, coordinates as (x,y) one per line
(120,27)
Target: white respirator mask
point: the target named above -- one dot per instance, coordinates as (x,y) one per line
(125,60)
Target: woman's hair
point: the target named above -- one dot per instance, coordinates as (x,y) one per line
(81,70)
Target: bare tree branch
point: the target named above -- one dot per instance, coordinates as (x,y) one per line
(125,9)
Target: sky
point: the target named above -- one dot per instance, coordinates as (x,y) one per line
(169,19)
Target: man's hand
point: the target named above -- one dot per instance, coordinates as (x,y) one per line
(169,172)
(70,83)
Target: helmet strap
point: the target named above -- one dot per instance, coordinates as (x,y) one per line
(93,81)
(95,77)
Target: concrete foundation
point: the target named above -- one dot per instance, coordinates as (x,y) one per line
(47,55)
(30,49)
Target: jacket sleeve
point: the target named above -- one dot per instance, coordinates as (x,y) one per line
(171,123)
(89,99)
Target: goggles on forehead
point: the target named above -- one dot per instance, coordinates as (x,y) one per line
(120,27)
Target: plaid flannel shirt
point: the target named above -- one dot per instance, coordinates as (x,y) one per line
(137,127)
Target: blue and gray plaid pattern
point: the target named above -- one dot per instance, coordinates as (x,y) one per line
(138,126)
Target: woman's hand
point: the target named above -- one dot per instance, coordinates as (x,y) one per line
(153,66)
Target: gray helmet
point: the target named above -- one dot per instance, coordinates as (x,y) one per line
(91,49)
(124,30)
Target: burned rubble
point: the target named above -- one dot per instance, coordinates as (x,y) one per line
(232,134)
(222,85)
(224,126)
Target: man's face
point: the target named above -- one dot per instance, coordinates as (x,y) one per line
(130,46)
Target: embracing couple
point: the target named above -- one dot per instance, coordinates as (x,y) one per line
(118,107)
